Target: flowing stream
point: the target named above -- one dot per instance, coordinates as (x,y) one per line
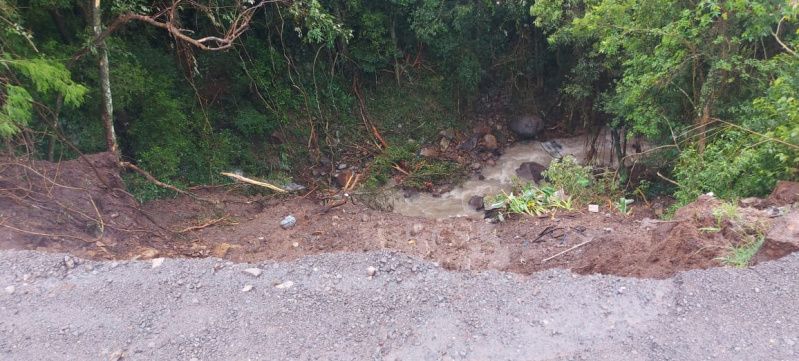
(498,178)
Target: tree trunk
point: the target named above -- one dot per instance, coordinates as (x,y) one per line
(107,110)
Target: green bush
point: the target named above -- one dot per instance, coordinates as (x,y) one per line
(573,178)
(422,173)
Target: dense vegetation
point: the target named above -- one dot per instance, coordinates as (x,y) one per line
(290,83)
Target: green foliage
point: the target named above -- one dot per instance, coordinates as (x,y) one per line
(573,178)
(623,205)
(16,111)
(741,256)
(49,76)
(422,173)
(531,200)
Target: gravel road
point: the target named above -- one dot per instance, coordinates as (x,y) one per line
(327,307)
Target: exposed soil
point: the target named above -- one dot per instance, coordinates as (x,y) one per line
(53,209)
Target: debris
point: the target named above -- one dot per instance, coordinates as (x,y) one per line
(593,208)
(342,166)
(288,222)
(553,148)
(286,284)
(364,217)
(254,182)
(220,250)
(157,262)
(10,290)
(247,288)
(254,271)
(295,244)
(568,250)
(371,271)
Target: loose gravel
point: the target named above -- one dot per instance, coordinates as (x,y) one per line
(386,306)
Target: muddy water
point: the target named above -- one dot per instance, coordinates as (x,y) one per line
(498,178)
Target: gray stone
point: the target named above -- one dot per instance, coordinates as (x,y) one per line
(288,222)
(526,126)
(531,171)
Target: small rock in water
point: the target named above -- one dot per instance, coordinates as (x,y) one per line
(255,272)
(246,288)
(286,284)
(476,202)
(288,222)
(157,262)
(371,271)
(531,171)
(10,290)
(593,208)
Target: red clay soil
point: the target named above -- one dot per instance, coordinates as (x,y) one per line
(53,209)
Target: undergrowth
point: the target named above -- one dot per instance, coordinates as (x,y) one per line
(532,200)
(413,170)
(741,256)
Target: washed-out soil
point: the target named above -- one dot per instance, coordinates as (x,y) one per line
(80,207)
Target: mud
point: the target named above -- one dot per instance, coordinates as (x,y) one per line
(51,214)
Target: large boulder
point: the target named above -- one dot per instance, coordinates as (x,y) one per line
(526,126)
(531,171)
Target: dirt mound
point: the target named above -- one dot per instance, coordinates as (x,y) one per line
(698,236)
(77,206)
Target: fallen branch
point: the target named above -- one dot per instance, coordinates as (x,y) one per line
(568,250)
(157,182)
(254,182)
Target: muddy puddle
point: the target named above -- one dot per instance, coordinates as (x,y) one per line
(495,179)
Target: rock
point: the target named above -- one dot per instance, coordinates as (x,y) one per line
(428,152)
(288,222)
(416,229)
(444,143)
(157,262)
(284,285)
(371,271)
(490,141)
(294,187)
(470,143)
(476,202)
(782,238)
(69,262)
(476,165)
(342,166)
(526,126)
(531,171)
(447,133)
(10,290)
(246,288)
(593,208)
(364,218)
(784,193)
(254,271)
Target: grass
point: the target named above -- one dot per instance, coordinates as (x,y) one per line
(726,212)
(741,256)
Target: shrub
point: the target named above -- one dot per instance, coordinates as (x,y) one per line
(572,177)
